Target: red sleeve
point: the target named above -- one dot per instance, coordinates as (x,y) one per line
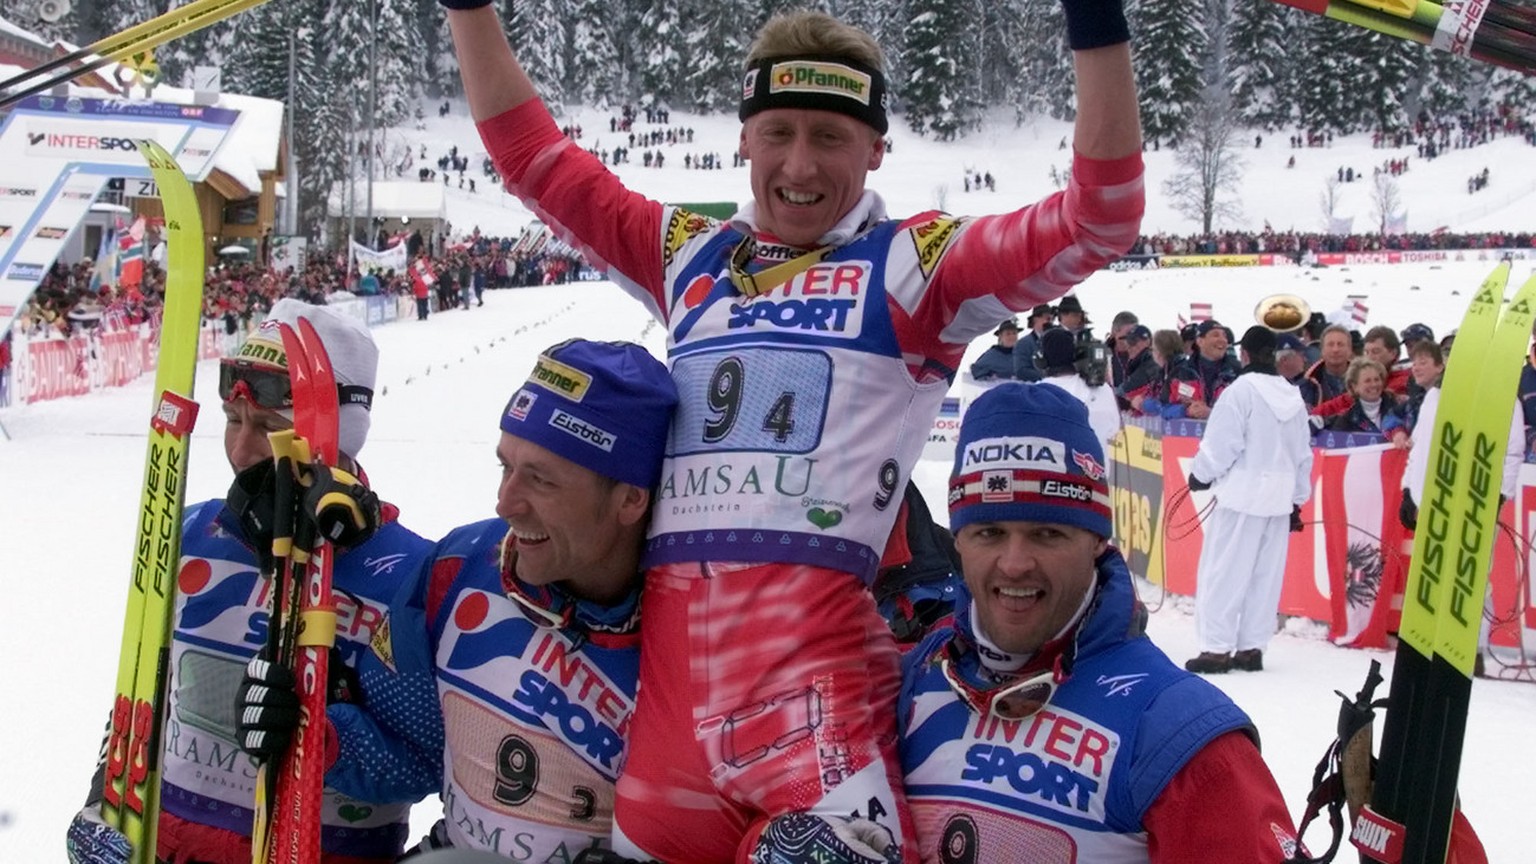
(580,199)
(1223,805)
(1037,254)
(1339,404)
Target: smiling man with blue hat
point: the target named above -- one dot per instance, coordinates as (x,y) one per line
(529,622)
(1043,725)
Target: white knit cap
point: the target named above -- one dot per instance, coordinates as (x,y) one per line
(354,359)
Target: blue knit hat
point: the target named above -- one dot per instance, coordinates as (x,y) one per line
(604,405)
(1027,453)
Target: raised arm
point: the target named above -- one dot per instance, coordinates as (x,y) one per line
(1108,119)
(493,80)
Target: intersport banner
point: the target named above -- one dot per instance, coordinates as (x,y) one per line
(57,153)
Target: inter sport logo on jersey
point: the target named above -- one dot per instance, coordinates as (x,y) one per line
(824,300)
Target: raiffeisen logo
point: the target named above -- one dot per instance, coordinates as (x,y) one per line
(803,76)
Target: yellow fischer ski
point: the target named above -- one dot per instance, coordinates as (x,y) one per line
(131,790)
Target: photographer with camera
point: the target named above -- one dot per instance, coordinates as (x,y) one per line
(1079,366)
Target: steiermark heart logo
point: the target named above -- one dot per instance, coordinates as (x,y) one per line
(354,812)
(823,519)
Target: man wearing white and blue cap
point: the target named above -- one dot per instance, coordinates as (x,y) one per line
(529,621)
(1043,718)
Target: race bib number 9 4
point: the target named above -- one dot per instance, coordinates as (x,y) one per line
(759,400)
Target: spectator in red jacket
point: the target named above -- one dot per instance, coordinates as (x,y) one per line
(1381,345)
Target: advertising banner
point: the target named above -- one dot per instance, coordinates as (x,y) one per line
(57,153)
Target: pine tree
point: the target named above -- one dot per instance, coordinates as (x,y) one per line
(444,62)
(1262,73)
(657,38)
(259,64)
(1046,79)
(540,39)
(211,46)
(398,55)
(939,89)
(1383,81)
(1171,48)
(122,14)
(595,76)
(1326,103)
(714,48)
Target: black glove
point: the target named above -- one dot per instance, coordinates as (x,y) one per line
(1408,512)
(252,499)
(345,511)
(1296,524)
(1197,485)
(267,705)
(464,4)
(267,709)
(1094,23)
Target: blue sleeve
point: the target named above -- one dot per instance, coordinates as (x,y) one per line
(390,747)
(1174,411)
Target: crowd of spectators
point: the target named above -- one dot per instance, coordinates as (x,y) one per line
(1298,243)
(70,301)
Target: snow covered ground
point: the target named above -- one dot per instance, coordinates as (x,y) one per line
(73,471)
(921,174)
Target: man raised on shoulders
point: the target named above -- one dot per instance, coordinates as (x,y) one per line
(812,339)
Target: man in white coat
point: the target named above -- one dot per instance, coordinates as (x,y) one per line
(1418,458)
(1256,456)
(1057,362)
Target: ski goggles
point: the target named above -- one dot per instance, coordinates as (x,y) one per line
(1016,700)
(266,388)
(271,388)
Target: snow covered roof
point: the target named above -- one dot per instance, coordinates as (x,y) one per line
(10,29)
(393,200)
(251,147)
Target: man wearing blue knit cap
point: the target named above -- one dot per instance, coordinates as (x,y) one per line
(1043,725)
(529,622)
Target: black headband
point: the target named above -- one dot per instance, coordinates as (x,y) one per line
(819,82)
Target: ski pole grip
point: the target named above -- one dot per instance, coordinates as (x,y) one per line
(317,628)
(283,492)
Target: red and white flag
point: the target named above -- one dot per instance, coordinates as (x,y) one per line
(1199,312)
(1367,568)
(1183,322)
(1355,305)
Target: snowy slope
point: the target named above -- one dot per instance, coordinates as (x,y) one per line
(920,174)
(74,466)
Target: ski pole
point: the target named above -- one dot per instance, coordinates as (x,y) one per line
(122,45)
